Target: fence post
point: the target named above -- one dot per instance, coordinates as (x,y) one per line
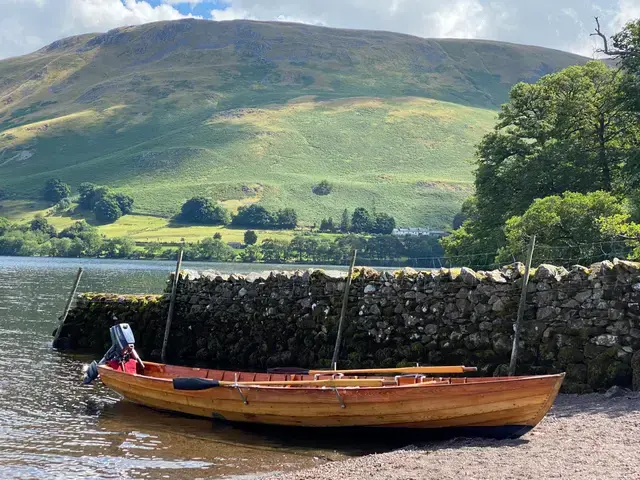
(345,299)
(171,306)
(521,307)
(67,307)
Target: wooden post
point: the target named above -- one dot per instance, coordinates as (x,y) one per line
(68,306)
(521,308)
(172,302)
(345,299)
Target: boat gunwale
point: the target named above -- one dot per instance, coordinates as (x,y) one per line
(493,381)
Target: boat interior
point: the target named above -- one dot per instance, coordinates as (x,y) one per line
(158,370)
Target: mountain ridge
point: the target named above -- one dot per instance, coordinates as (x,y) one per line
(391,119)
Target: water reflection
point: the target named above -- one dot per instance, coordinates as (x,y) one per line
(53,427)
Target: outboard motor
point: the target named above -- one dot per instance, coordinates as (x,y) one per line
(122,349)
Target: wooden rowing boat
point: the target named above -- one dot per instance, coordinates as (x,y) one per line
(484,406)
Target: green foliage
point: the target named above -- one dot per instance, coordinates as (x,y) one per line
(326,225)
(55,190)
(361,221)
(572,131)
(107,210)
(322,188)
(383,224)
(204,211)
(252,253)
(345,222)
(210,249)
(62,206)
(627,42)
(122,247)
(572,222)
(4,225)
(286,219)
(255,216)
(275,250)
(125,202)
(86,195)
(40,224)
(250,237)
(217,236)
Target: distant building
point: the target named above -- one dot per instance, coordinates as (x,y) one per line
(418,232)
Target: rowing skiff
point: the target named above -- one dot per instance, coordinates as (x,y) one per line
(484,406)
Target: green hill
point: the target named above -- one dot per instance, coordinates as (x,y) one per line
(256,111)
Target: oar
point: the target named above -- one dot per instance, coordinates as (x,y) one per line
(195,383)
(434,370)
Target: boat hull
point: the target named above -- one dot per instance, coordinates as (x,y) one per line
(494,407)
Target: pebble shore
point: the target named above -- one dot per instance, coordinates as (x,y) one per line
(593,436)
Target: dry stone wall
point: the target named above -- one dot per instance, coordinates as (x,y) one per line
(583,321)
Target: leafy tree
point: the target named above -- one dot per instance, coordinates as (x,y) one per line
(254,216)
(567,226)
(250,237)
(383,224)
(125,202)
(91,194)
(107,210)
(210,249)
(326,225)
(121,247)
(55,190)
(286,218)
(570,131)
(345,222)
(322,188)
(85,237)
(63,205)
(251,254)
(275,250)
(384,247)
(5,224)
(361,221)
(217,236)
(203,210)
(40,224)
(152,250)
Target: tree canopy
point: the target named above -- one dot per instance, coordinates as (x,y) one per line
(55,190)
(203,210)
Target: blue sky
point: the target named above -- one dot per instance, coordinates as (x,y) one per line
(27,25)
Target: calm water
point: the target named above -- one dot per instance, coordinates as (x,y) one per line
(51,426)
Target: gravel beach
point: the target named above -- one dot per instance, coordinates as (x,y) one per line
(582,437)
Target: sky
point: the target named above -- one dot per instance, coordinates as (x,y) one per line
(27,25)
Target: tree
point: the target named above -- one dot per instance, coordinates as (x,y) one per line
(287,218)
(204,211)
(254,216)
(323,188)
(345,222)
(361,221)
(5,224)
(383,247)
(326,225)
(55,190)
(125,202)
(107,210)
(275,250)
(217,236)
(121,247)
(383,224)
(250,237)
(251,254)
(570,131)
(214,250)
(40,224)
(567,227)
(91,194)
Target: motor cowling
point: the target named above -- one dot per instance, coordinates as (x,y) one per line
(122,349)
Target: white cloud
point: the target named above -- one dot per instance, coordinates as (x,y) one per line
(561,24)
(26,25)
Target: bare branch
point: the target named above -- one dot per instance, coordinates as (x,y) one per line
(606,50)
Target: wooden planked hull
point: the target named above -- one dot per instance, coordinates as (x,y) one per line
(512,405)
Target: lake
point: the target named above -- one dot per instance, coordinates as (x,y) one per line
(51,426)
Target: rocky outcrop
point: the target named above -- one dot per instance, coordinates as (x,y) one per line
(583,321)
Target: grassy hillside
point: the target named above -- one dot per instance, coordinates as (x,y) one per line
(254,111)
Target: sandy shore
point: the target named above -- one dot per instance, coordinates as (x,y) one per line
(583,437)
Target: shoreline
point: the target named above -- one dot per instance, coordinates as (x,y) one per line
(583,436)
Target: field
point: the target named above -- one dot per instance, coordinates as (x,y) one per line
(142,228)
(260,112)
